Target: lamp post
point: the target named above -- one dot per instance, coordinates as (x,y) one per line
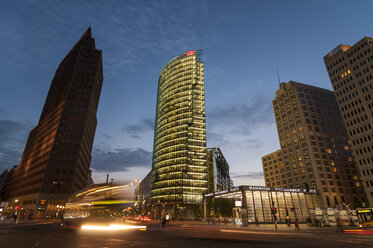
(273,209)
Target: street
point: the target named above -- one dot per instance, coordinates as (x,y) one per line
(50,234)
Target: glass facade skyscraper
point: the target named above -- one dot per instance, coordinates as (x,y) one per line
(179,167)
(57,155)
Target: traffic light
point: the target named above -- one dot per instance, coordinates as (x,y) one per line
(274,211)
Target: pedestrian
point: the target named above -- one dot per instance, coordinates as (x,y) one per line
(288,220)
(296,224)
(164,222)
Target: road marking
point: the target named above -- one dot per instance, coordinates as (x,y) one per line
(267,233)
(38,243)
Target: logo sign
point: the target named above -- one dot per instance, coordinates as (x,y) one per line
(364,211)
(189,53)
(259,188)
(221,192)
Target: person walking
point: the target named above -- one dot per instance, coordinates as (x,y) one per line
(164,221)
(296,224)
(288,220)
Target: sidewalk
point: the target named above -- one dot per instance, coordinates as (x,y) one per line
(11,222)
(259,227)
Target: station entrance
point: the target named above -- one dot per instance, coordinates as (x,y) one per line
(260,204)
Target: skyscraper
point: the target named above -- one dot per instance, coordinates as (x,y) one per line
(350,70)
(314,146)
(57,155)
(179,167)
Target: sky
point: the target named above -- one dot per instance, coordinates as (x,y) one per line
(244,43)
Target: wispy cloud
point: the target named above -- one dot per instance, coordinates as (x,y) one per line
(108,137)
(249,176)
(138,129)
(213,74)
(240,119)
(120,159)
(216,139)
(127,31)
(13,137)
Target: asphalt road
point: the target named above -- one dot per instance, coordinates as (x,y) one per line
(51,235)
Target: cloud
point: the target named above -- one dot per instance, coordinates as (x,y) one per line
(13,136)
(137,129)
(250,175)
(250,144)
(127,31)
(240,119)
(214,74)
(216,139)
(108,137)
(120,159)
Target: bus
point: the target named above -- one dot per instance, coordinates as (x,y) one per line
(100,207)
(365,216)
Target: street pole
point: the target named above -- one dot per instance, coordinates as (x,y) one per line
(273,209)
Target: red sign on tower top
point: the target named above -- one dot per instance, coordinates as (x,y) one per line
(189,53)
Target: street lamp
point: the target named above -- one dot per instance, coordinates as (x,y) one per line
(273,208)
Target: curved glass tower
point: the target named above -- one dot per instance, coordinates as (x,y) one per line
(179,154)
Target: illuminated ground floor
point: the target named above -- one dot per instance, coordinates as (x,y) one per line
(36,206)
(176,211)
(259,204)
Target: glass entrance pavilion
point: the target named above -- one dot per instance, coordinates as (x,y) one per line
(260,204)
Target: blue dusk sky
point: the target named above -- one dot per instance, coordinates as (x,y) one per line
(243,43)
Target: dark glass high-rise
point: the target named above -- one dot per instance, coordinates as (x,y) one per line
(56,159)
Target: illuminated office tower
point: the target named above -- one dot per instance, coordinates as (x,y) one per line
(57,155)
(350,70)
(314,146)
(179,167)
